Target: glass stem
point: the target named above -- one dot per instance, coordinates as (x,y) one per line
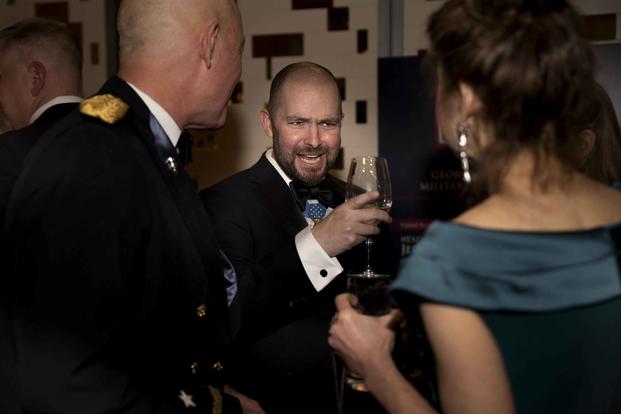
(368,243)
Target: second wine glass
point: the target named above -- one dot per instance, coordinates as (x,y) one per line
(369,173)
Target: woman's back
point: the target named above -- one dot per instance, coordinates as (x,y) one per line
(551,299)
(564,361)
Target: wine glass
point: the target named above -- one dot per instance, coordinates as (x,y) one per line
(372,299)
(369,173)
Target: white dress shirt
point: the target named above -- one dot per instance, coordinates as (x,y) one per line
(55,101)
(166,121)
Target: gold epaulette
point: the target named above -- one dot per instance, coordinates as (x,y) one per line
(216,395)
(108,108)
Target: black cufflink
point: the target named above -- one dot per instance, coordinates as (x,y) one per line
(323,273)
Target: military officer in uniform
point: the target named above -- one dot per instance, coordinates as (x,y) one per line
(116,299)
(41,82)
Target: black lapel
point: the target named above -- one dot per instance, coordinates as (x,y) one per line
(183,193)
(276,197)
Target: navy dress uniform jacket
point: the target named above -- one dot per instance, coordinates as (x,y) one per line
(115,301)
(14,146)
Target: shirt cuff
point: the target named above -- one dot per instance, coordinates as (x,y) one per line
(320,268)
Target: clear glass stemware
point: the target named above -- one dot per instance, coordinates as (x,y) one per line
(369,173)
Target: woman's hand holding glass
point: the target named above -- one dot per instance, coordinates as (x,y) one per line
(363,342)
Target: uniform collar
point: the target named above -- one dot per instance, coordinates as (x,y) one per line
(163,117)
(55,101)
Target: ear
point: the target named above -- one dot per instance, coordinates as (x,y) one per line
(266,122)
(208,43)
(586,142)
(36,73)
(470,103)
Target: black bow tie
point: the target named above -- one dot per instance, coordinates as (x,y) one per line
(303,193)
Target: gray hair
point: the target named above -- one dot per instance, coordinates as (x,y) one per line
(46,36)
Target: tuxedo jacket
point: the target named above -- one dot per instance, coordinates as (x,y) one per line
(280,321)
(14,146)
(116,301)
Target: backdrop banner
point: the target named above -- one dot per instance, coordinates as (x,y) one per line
(426,175)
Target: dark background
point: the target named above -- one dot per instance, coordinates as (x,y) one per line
(426,175)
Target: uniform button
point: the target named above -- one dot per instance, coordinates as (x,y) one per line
(195,367)
(323,273)
(201,311)
(218,367)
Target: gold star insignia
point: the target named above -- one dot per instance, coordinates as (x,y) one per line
(187,399)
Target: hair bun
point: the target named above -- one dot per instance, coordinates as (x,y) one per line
(525,60)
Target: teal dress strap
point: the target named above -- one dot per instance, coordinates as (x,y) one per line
(491,270)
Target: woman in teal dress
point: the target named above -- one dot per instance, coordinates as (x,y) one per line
(520,296)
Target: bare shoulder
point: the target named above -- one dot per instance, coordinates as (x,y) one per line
(584,206)
(598,205)
(486,215)
(611,202)
(469,364)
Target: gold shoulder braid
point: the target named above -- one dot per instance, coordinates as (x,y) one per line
(108,108)
(216,395)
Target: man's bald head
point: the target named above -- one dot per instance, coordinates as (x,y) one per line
(305,72)
(156,27)
(186,55)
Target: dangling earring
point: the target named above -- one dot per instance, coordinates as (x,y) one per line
(463,156)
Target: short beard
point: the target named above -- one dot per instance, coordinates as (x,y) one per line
(287,163)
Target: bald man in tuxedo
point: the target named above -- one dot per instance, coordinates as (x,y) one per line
(289,233)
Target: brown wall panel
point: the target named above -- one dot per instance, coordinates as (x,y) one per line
(56,11)
(310,4)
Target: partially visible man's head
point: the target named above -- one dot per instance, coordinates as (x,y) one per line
(39,60)
(186,55)
(303,118)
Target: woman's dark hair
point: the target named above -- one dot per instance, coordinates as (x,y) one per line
(527,63)
(597,113)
